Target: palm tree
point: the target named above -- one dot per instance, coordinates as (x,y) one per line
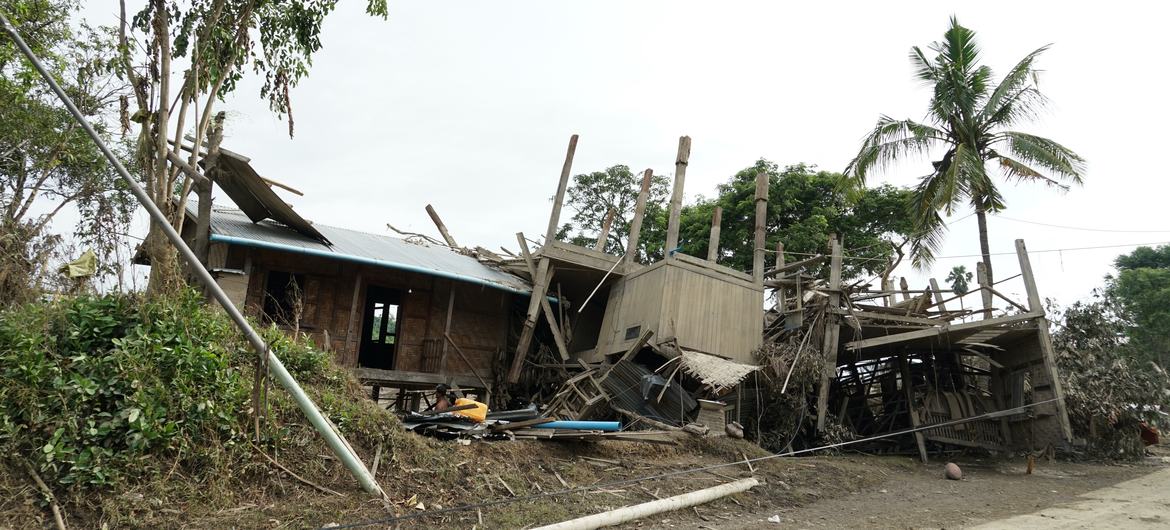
(959,279)
(972,120)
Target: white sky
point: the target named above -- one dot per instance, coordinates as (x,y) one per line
(469,106)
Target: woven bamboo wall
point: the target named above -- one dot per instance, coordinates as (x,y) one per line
(479,322)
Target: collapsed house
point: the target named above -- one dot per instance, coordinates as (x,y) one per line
(666,345)
(408,314)
(898,359)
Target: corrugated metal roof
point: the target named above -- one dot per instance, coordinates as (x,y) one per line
(229,225)
(255,197)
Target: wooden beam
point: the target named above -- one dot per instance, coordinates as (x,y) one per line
(832,334)
(935,331)
(676,197)
(447,326)
(353,312)
(981,277)
(938,296)
(555,217)
(713,241)
(785,267)
(442,227)
(639,213)
(761,226)
(470,366)
(1045,337)
(601,237)
(909,394)
(540,285)
(549,315)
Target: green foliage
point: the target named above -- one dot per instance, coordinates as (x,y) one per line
(219,35)
(593,195)
(47,162)
(804,207)
(100,390)
(1142,290)
(959,279)
(970,120)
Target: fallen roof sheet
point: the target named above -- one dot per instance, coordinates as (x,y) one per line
(716,372)
(255,197)
(229,225)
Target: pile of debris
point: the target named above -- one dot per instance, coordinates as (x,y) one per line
(886,360)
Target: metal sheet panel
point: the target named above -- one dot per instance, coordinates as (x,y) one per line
(256,198)
(232,226)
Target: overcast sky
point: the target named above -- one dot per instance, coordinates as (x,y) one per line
(469,106)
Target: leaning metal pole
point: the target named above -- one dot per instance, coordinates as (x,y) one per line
(336,443)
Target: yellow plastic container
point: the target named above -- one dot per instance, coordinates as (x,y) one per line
(479,413)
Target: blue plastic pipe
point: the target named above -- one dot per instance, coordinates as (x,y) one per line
(582,425)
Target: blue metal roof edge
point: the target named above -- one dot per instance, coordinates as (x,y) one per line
(218,238)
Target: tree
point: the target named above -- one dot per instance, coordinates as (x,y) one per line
(959,278)
(218,41)
(1142,291)
(970,120)
(805,206)
(593,195)
(47,163)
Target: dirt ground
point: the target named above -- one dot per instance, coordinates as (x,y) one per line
(910,495)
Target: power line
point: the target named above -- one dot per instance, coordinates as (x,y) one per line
(1084,229)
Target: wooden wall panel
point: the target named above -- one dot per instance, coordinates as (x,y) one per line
(479,321)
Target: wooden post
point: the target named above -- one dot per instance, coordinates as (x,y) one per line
(902,283)
(919,438)
(605,225)
(447,327)
(985,291)
(832,334)
(1036,306)
(676,198)
(713,242)
(781,296)
(353,313)
(555,218)
(540,275)
(938,295)
(639,212)
(539,285)
(761,220)
(442,227)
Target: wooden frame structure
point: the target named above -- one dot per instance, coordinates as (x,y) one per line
(900,358)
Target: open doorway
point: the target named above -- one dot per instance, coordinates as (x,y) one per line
(380,328)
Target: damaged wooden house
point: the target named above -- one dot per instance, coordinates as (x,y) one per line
(404,314)
(897,359)
(627,324)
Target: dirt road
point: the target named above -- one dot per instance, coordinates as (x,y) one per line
(1143,502)
(996,493)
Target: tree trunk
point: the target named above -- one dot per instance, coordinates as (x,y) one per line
(983,244)
(164,263)
(203,190)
